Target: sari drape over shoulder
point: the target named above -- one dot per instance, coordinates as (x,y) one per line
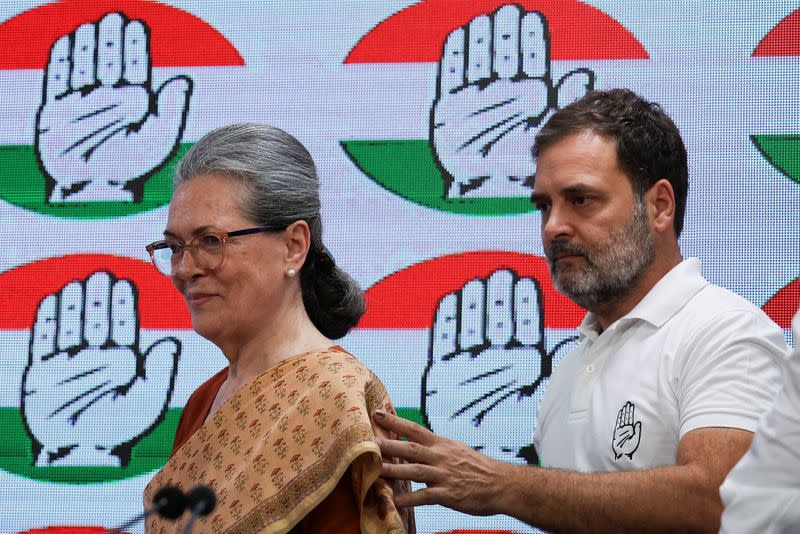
(280,445)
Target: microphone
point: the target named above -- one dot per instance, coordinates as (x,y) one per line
(201,500)
(168,502)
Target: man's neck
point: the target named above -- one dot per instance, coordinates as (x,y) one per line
(611,311)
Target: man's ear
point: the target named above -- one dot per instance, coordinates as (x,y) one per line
(660,201)
(297,239)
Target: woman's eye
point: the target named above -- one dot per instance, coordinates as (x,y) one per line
(209,241)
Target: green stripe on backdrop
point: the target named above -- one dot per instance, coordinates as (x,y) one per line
(152,452)
(408,168)
(23,184)
(782,151)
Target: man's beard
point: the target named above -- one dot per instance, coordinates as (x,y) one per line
(612,267)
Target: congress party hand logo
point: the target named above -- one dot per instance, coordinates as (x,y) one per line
(88,391)
(494,92)
(92,391)
(101,129)
(501,72)
(488,359)
(103,138)
(782,150)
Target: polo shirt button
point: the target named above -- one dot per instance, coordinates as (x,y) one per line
(589,369)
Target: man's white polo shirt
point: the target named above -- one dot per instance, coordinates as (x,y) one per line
(689,355)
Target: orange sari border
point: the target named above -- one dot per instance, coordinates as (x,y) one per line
(279,446)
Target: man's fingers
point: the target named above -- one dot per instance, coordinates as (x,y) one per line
(423,496)
(58,69)
(109,49)
(479,56)
(506,41)
(443,336)
(43,335)
(499,317)
(528,312)
(451,66)
(83,57)
(137,54)
(573,86)
(535,45)
(405,428)
(124,327)
(96,326)
(410,471)
(70,314)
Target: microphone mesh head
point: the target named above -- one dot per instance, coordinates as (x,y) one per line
(170,502)
(202,500)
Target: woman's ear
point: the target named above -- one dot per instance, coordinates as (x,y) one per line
(661,204)
(297,238)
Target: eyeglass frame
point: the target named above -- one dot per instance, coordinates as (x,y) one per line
(223,237)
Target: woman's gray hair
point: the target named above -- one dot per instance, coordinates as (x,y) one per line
(281,187)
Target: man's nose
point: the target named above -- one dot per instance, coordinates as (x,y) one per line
(556,224)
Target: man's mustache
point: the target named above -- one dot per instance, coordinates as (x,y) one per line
(565,248)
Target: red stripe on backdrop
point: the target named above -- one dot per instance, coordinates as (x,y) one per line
(784,304)
(177,38)
(22,288)
(783,39)
(417,33)
(408,298)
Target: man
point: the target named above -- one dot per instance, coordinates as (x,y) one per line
(643,420)
(762,493)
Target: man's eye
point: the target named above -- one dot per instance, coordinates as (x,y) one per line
(580,200)
(175,247)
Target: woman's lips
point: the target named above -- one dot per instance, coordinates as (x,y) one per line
(197,299)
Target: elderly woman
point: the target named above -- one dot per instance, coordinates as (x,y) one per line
(283,435)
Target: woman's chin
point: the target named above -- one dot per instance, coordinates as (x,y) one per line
(205,328)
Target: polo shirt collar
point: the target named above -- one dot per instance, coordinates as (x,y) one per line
(663,301)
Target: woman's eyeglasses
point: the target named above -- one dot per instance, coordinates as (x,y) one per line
(207,249)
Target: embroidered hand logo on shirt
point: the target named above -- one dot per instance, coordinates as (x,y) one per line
(627,434)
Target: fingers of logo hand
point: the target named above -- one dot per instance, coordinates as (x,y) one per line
(137,53)
(160,363)
(70,314)
(123,314)
(83,57)
(506,41)
(58,69)
(479,57)
(574,85)
(451,66)
(620,415)
(535,45)
(499,321)
(109,49)
(173,102)
(96,326)
(471,329)
(443,337)
(43,335)
(528,317)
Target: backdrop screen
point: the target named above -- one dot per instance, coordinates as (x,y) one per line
(414,146)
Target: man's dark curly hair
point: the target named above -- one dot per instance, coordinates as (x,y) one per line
(649,145)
